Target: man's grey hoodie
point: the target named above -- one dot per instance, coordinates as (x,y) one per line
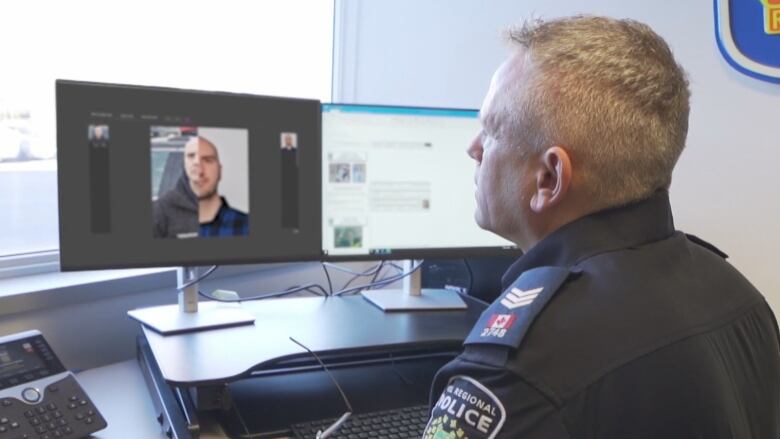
(175,212)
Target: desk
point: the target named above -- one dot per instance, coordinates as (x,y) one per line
(339,325)
(187,374)
(119,392)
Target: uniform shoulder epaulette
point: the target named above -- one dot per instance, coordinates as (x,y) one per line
(507,320)
(696,240)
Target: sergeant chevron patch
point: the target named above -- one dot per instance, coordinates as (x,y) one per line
(516,297)
(507,320)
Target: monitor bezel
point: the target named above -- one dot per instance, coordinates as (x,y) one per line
(65,261)
(411,253)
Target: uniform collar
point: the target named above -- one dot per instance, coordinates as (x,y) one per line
(626,226)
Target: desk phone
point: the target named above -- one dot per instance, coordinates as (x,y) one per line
(39,398)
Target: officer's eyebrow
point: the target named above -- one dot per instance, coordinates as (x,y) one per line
(487,122)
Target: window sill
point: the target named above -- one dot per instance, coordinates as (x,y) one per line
(56,289)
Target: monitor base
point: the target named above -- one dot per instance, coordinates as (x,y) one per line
(428,299)
(169,319)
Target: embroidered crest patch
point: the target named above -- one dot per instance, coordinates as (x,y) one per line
(466,409)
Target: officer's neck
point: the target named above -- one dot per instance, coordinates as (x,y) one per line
(542,224)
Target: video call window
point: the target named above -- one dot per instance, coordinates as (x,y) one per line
(200,181)
(289,141)
(98,138)
(159,177)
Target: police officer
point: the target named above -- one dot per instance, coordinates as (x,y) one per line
(612,324)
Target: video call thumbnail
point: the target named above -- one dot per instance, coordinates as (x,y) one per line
(98,141)
(200,182)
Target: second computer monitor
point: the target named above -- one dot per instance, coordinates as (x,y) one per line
(398,184)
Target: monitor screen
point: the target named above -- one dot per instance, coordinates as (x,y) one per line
(166,177)
(397,184)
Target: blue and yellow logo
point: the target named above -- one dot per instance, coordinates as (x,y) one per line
(771,16)
(748,35)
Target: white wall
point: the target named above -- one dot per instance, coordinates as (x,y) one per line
(233,146)
(443,52)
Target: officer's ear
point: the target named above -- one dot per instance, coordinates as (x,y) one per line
(553,178)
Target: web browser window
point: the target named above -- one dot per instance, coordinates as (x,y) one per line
(398,178)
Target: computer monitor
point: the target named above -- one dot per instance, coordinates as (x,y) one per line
(397,184)
(154,176)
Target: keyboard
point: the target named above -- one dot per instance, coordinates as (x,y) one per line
(403,423)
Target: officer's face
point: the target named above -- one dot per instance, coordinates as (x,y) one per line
(502,175)
(201,163)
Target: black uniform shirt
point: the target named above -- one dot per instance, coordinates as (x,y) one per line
(617,326)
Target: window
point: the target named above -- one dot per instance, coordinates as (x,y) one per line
(273,47)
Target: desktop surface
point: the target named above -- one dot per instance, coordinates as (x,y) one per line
(347,326)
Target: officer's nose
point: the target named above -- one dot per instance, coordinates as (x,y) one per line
(475,148)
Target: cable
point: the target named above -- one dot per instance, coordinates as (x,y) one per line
(317,357)
(309,288)
(336,425)
(312,288)
(357,275)
(398,268)
(383,282)
(200,278)
(327,275)
(471,275)
(378,270)
(373,271)
(368,272)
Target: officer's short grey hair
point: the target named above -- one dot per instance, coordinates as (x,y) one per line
(610,92)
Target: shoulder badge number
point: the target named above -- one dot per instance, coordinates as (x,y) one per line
(507,320)
(465,410)
(748,35)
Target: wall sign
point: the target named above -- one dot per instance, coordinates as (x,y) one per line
(748,35)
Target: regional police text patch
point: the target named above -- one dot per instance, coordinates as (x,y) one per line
(465,410)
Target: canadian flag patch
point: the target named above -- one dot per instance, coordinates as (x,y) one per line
(498,325)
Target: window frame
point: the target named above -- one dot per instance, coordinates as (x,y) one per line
(45,264)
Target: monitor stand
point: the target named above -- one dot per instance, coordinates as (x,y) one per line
(412,297)
(186,316)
